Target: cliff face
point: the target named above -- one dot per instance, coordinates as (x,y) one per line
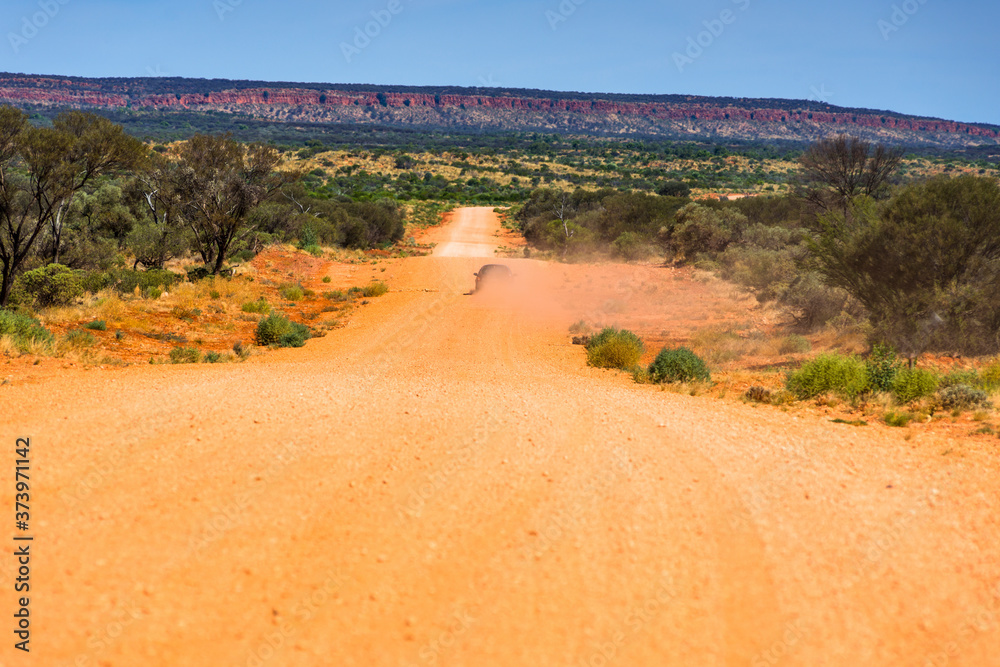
(673,117)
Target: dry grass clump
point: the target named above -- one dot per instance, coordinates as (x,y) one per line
(721,345)
(8,346)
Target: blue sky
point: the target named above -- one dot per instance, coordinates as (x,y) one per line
(925,57)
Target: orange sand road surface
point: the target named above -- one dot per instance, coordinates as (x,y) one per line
(444,482)
(470,234)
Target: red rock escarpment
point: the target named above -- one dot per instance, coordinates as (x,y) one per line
(504,111)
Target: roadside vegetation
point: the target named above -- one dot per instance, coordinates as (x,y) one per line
(100,234)
(165,317)
(880,388)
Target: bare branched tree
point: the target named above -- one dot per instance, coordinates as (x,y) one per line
(560,210)
(837,169)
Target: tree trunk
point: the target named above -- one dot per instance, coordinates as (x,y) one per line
(5,286)
(161,260)
(57,231)
(220,260)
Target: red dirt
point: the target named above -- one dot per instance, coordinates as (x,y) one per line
(444,481)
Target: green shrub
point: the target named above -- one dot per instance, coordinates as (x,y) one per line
(767,273)
(678,365)
(327,279)
(795,344)
(813,304)
(674,189)
(314,250)
(913,384)
(899,419)
(376,288)
(279,331)
(217,358)
(261,306)
(701,229)
(956,377)
(990,377)
(336,295)
(291,292)
(23,330)
(845,376)
(614,349)
(185,313)
(215,294)
(52,285)
(124,281)
(198,273)
(767,237)
(882,367)
(849,422)
(185,355)
(80,339)
(307,235)
(632,246)
(962,397)
(96,325)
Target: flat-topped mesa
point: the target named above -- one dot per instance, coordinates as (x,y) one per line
(776,119)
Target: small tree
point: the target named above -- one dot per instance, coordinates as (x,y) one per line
(220,181)
(105,210)
(41,169)
(674,189)
(96,146)
(698,229)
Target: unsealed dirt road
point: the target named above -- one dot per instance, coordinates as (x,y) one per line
(444,482)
